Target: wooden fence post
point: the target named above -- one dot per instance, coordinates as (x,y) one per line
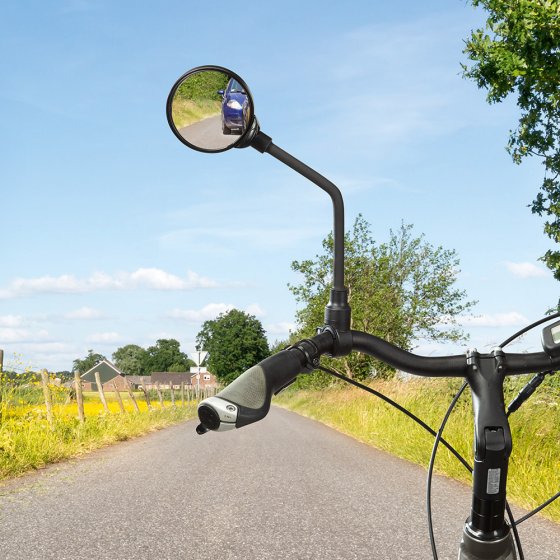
(48,398)
(132,397)
(147,397)
(160,396)
(119,399)
(172,394)
(101,392)
(79,396)
(182,394)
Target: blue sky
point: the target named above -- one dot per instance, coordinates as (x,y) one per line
(113,232)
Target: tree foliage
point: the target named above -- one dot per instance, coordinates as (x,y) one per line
(166,355)
(401,290)
(131,360)
(202,86)
(235,341)
(85,364)
(518,52)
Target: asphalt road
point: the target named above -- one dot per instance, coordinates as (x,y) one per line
(285,488)
(207,134)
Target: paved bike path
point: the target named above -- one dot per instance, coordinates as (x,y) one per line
(285,488)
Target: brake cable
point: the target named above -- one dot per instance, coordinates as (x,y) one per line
(523,395)
(437,440)
(398,407)
(528,328)
(437,435)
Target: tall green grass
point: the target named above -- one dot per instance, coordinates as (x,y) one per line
(186,111)
(534,473)
(27,442)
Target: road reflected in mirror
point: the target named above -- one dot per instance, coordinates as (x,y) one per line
(211,110)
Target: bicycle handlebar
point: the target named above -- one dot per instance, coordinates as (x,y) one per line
(247,399)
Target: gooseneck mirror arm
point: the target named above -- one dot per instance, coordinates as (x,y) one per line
(337,312)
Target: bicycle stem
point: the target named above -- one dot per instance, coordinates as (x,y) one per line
(493,444)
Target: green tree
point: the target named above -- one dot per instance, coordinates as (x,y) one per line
(64,375)
(92,358)
(165,355)
(402,290)
(235,341)
(131,359)
(518,52)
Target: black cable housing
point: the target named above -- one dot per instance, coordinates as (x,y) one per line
(439,438)
(528,328)
(390,401)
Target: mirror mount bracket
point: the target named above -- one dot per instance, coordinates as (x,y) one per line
(337,311)
(261,142)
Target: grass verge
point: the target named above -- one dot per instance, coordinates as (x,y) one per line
(27,442)
(534,473)
(186,112)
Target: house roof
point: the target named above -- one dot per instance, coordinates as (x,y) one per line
(139,379)
(106,369)
(171,376)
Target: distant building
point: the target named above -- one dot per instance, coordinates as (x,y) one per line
(137,381)
(201,376)
(175,378)
(108,374)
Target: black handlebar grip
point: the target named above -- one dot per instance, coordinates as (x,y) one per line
(252,391)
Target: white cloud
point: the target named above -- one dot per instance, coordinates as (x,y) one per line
(142,278)
(211,311)
(18,335)
(104,338)
(281,328)
(510,319)
(11,321)
(84,313)
(525,269)
(50,348)
(53,355)
(255,309)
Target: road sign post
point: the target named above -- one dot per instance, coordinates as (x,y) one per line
(198,357)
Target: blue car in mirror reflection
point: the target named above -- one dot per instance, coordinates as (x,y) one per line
(235,108)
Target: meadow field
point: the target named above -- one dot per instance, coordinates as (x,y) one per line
(29,440)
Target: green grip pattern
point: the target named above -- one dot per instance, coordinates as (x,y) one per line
(248,390)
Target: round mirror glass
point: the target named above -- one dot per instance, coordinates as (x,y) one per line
(210,109)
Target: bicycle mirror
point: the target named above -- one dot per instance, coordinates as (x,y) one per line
(210,109)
